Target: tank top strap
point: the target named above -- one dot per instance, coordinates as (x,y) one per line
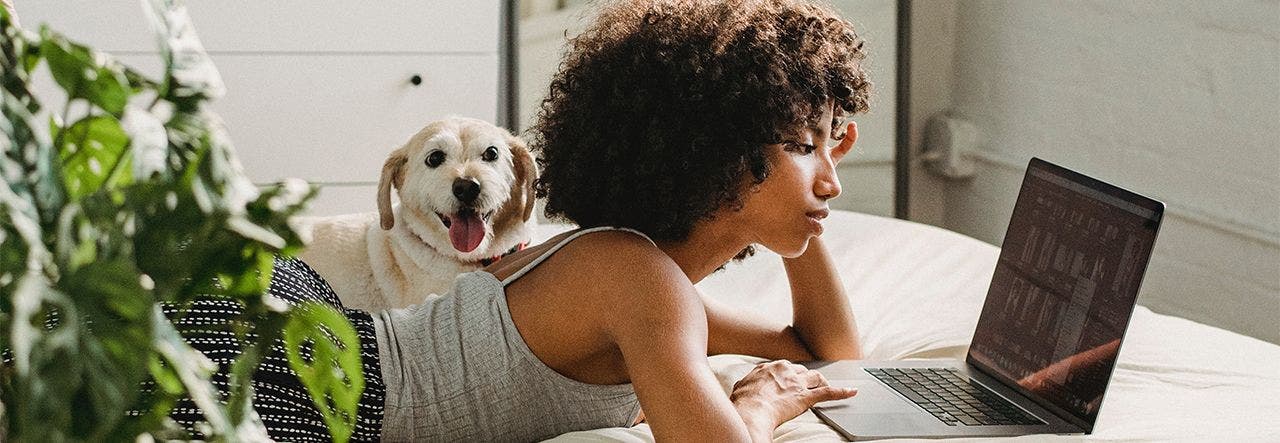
(538,260)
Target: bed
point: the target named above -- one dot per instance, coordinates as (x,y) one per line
(917,291)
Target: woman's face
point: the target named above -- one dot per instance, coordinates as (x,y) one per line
(785,211)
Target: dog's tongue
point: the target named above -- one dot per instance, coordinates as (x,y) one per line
(466,230)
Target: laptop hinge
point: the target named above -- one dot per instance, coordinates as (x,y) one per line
(1062,414)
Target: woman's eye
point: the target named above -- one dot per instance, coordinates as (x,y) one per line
(801,148)
(490,154)
(435,158)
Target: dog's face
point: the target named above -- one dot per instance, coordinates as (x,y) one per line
(466,180)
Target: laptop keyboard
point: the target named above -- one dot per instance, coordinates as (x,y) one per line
(951,397)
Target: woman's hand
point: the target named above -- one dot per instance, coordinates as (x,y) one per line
(777,391)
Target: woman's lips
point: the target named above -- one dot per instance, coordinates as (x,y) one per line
(815,219)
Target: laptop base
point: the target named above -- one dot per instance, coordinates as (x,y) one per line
(880,412)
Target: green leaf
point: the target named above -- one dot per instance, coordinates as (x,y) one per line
(85,74)
(17,59)
(46,366)
(30,60)
(191,74)
(185,223)
(192,368)
(139,82)
(331,369)
(149,142)
(91,151)
(269,324)
(116,347)
(21,217)
(28,164)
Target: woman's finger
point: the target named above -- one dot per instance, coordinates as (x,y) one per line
(828,393)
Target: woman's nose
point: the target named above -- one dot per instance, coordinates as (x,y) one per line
(827,186)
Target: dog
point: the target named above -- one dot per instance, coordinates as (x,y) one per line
(466,197)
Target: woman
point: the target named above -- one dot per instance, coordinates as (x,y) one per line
(677,134)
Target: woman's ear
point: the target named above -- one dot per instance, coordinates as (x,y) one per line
(846,144)
(392,175)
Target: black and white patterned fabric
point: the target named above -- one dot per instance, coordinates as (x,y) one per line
(281,400)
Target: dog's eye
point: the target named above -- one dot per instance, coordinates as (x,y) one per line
(435,158)
(490,154)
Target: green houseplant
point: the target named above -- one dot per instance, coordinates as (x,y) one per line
(127,197)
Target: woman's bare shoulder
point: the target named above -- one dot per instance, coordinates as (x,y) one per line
(591,253)
(647,303)
(631,275)
(611,274)
(619,257)
(611,282)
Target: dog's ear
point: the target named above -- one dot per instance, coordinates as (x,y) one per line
(526,173)
(392,175)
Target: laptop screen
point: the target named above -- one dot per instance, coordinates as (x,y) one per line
(1064,287)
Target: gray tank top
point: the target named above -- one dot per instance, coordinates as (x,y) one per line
(456,368)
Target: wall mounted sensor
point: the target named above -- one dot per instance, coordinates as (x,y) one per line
(948,140)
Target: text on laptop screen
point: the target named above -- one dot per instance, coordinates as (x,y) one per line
(1063,292)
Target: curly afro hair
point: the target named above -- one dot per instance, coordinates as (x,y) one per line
(662,111)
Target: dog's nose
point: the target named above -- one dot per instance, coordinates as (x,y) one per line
(466,190)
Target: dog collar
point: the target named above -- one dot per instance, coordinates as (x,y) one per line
(485,262)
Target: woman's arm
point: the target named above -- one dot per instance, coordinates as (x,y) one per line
(662,336)
(823,326)
(659,325)
(821,316)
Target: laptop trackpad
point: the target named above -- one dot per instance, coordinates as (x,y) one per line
(877,410)
(873,397)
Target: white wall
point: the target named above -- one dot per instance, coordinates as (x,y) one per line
(1176,100)
(866,176)
(932,60)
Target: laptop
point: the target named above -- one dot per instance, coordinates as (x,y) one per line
(1055,315)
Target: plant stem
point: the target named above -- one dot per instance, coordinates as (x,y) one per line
(57,139)
(115,168)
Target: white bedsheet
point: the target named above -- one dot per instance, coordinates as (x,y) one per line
(917,290)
